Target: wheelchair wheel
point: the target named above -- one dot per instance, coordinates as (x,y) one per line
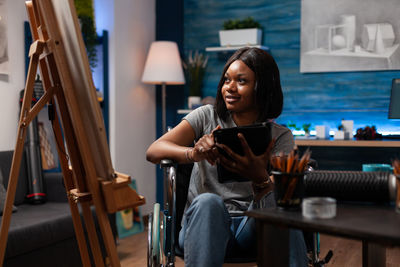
(149,240)
(154,252)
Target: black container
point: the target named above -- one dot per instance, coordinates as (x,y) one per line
(288,189)
(36,192)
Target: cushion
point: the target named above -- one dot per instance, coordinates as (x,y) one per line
(34,227)
(3,193)
(5,166)
(37,226)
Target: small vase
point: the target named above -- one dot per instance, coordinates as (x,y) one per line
(194,102)
(127,218)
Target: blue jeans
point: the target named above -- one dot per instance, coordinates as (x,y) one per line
(209,234)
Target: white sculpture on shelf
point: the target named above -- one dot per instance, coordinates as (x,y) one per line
(377,36)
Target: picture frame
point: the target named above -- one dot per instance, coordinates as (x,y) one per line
(358,35)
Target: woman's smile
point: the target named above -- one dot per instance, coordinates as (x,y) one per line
(232,98)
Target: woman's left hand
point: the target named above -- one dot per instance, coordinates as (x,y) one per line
(249,165)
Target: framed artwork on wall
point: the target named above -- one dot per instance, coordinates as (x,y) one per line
(4,68)
(342,35)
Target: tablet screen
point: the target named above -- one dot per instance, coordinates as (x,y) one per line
(258,136)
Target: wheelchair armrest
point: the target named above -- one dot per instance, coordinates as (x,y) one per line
(166,163)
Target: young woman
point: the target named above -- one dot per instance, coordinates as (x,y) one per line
(213,226)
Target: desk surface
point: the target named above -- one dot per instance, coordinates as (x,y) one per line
(347,143)
(380,224)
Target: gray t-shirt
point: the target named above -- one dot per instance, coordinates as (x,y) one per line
(204,178)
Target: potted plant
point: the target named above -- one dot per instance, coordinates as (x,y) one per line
(240,32)
(195,69)
(292,126)
(85,12)
(306,128)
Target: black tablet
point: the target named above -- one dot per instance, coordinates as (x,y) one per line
(258,136)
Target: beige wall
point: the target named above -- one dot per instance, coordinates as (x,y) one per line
(132,106)
(9,91)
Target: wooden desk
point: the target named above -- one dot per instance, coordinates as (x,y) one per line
(375,226)
(349,154)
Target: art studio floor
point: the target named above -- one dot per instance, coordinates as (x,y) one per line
(132,251)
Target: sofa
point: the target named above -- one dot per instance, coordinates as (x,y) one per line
(41,234)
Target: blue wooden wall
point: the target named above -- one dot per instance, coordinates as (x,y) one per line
(317,98)
(169,27)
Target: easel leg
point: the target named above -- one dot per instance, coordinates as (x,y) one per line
(67,174)
(108,238)
(91,228)
(19,147)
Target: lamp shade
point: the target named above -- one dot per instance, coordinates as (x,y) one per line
(163,64)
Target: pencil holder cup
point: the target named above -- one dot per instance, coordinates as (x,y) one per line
(288,189)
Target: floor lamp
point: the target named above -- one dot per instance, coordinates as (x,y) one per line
(163,66)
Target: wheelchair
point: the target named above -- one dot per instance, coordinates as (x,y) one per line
(164,225)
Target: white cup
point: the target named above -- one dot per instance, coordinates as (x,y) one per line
(322,132)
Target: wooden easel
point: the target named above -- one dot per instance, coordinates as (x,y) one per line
(82,182)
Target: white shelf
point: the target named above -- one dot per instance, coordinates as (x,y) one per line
(184,111)
(233,48)
(346,143)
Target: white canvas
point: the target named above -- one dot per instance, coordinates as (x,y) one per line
(356,35)
(4,62)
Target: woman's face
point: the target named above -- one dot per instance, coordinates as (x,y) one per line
(238,88)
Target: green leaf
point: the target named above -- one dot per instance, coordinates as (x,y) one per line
(85,12)
(246,23)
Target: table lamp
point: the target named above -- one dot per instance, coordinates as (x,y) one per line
(163,66)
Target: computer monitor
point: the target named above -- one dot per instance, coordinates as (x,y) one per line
(394,107)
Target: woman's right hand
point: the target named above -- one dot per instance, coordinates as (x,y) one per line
(205,148)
